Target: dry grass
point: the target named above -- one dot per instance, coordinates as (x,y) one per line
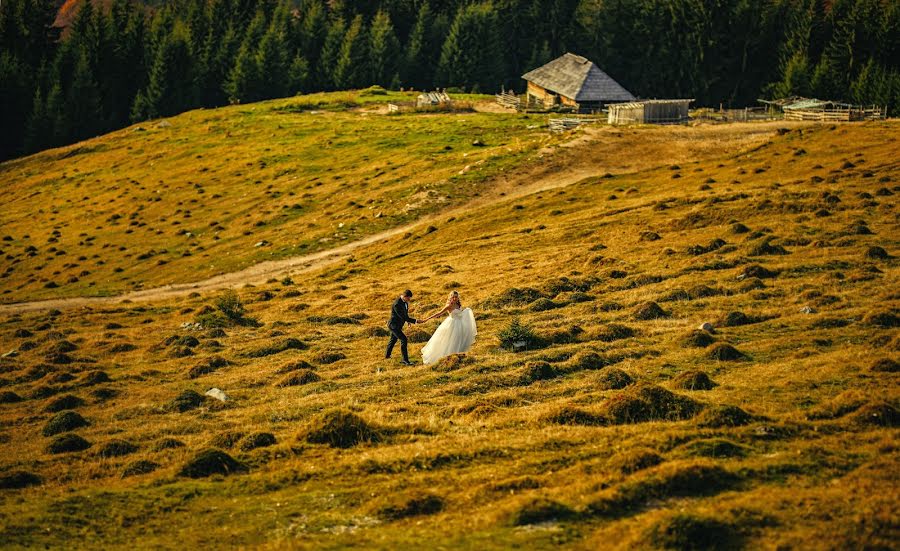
(495,449)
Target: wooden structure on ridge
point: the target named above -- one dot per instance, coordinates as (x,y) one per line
(575,83)
(653,111)
(811,109)
(430,99)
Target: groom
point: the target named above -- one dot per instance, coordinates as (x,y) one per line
(400,317)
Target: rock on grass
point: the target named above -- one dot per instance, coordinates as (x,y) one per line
(341,429)
(413,505)
(66,443)
(302,377)
(693,380)
(540,510)
(139,467)
(649,311)
(211,462)
(64,421)
(16,480)
(724,352)
(614,379)
(648,402)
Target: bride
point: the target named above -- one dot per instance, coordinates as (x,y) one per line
(454,335)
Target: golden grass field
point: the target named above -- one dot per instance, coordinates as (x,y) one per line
(621,426)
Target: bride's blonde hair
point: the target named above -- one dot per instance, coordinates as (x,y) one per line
(454,295)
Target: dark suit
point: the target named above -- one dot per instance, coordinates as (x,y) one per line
(399,317)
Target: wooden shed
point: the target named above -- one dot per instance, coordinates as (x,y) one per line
(574,82)
(654,111)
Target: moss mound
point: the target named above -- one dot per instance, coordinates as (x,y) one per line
(877,253)
(614,379)
(718,416)
(210,365)
(294,366)
(452,362)
(715,447)
(635,460)
(258,440)
(302,377)
(66,443)
(211,462)
(878,414)
(9,397)
(139,467)
(614,332)
(687,532)
(588,360)
(648,402)
(757,271)
(570,415)
(542,305)
(186,401)
(724,352)
(540,510)
(95,377)
(168,444)
(66,401)
(885,365)
(697,339)
(537,371)
(649,311)
(885,319)
(693,380)
(736,319)
(64,421)
(225,439)
(16,480)
(413,505)
(117,448)
(287,344)
(326,358)
(341,429)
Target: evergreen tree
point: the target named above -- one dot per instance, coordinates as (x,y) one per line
(170,88)
(83,101)
(469,55)
(331,50)
(244,80)
(351,70)
(796,79)
(14,104)
(415,69)
(384,50)
(271,66)
(298,75)
(40,128)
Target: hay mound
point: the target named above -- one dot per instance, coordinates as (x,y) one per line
(693,380)
(414,505)
(186,401)
(648,402)
(210,462)
(341,429)
(724,352)
(16,480)
(635,460)
(649,311)
(302,377)
(540,510)
(537,371)
(715,417)
(614,379)
(452,362)
(879,414)
(697,339)
(258,440)
(687,532)
(570,415)
(139,467)
(64,421)
(614,332)
(66,401)
(66,443)
(117,448)
(885,365)
(9,397)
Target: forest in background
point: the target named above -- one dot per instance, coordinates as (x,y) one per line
(124,62)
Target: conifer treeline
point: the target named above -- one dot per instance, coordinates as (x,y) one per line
(129,62)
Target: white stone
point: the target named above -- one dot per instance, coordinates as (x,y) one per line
(706,326)
(217,394)
(807,310)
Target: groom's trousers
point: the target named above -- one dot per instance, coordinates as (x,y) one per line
(397,335)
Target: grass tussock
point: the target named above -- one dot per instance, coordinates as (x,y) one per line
(209,462)
(647,402)
(411,504)
(341,429)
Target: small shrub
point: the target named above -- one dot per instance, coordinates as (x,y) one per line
(64,421)
(210,462)
(614,379)
(189,341)
(736,319)
(414,505)
(298,378)
(294,366)
(379,332)
(117,448)
(517,336)
(67,443)
(610,307)
(717,416)
(258,440)
(333,320)
(635,460)
(66,401)
(122,347)
(16,480)
(724,352)
(649,311)
(341,429)
(540,510)
(61,347)
(230,305)
(139,467)
(647,402)
(693,380)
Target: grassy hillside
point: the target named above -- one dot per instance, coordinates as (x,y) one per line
(621,425)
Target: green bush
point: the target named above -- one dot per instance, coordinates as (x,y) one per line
(231,306)
(516,332)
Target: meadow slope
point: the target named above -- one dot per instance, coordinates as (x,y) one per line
(620,426)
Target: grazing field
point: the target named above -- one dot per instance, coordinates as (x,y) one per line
(620,424)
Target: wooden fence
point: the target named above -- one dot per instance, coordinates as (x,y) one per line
(835,114)
(509,100)
(562,125)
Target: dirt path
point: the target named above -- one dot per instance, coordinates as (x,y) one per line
(592,151)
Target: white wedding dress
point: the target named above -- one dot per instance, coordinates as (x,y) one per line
(454,335)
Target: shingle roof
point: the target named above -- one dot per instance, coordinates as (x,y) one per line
(578,78)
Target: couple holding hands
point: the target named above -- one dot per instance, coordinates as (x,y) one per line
(454,335)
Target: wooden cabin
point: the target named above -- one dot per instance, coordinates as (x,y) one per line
(654,111)
(573,82)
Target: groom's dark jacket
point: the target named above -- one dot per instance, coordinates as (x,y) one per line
(400,314)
